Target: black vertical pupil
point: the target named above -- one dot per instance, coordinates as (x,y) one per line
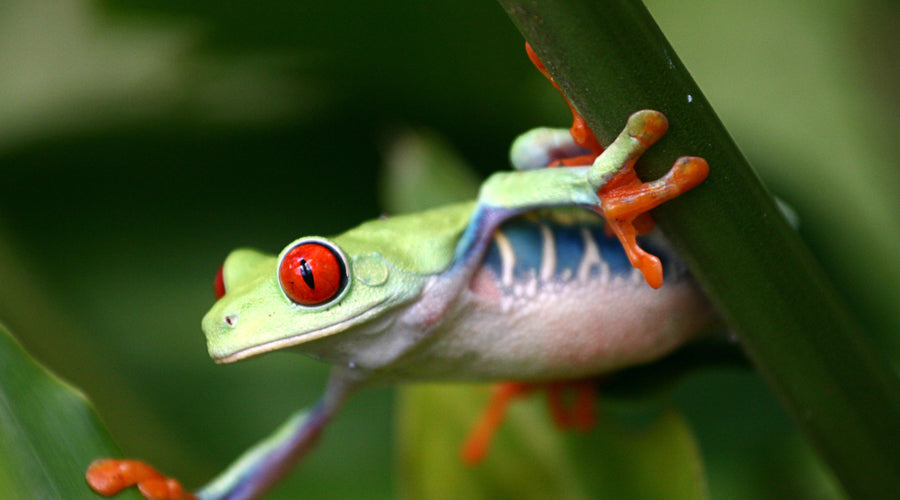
(307,274)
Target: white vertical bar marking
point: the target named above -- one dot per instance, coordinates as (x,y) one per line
(548,254)
(507,258)
(591,256)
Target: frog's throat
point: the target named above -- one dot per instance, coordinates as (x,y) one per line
(301,338)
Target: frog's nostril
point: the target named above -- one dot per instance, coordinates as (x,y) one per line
(231,319)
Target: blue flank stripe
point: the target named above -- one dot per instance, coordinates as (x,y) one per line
(527,243)
(569,249)
(611,251)
(492,259)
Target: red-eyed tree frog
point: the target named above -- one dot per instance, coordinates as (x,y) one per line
(521,284)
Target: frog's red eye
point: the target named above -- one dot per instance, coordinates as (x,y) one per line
(312,273)
(219,283)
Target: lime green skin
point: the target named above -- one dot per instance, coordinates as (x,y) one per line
(419,305)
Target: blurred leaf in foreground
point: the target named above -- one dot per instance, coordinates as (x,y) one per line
(49,432)
(622,457)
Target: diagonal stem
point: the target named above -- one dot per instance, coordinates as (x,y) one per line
(610,59)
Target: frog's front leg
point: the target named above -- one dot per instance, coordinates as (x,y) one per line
(625,198)
(609,186)
(251,474)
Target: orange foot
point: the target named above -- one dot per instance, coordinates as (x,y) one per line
(625,199)
(580,415)
(109,476)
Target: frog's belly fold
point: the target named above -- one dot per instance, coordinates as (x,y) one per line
(557,302)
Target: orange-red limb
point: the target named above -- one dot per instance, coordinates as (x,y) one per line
(110,476)
(580,415)
(575,161)
(626,200)
(581,133)
(477,444)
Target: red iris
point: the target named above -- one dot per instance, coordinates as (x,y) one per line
(312,274)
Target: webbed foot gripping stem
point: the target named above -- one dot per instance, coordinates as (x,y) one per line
(625,199)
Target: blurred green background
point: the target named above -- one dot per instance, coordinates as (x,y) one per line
(141,141)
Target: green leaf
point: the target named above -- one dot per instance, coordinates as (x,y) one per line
(49,432)
(625,456)
(611,59)
(422,171)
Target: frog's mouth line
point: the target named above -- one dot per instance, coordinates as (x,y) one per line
(301,338)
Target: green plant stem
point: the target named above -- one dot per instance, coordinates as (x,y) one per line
(610,59)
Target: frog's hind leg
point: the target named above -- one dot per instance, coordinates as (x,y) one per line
(477,444)
(580,412)
(579,415)
(580,132)
(542,147)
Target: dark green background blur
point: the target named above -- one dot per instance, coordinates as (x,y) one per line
(141,141)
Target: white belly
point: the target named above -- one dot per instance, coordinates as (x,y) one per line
(554,330)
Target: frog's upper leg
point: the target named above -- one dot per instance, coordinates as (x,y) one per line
(543,146)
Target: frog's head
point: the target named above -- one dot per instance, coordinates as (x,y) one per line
(317,288)
(313,289)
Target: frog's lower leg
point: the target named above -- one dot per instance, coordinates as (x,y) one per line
(579,415)
(476,446)
(250,475)
(542,147)
(581,133)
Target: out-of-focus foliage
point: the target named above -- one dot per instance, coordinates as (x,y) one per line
(642,453)
(48,430)
(140,141)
